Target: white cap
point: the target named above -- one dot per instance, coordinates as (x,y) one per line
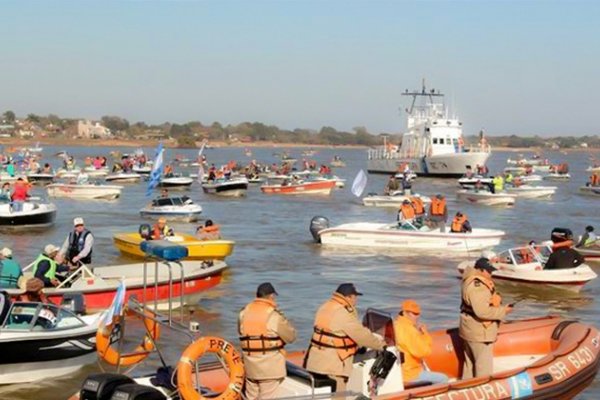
(488,254)
(6,252)
(50,248)
(78,221)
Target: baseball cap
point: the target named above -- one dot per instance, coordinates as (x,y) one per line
(347,289)
(78,221)
(50,248)
(265,289)
(6,252)
(412,306)
(484,264)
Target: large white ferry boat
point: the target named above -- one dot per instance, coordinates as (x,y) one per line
(433,144)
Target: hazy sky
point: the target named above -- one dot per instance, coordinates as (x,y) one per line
(526,67)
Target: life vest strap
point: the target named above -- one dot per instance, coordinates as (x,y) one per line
(280,344)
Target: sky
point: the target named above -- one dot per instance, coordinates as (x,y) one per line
(524,67)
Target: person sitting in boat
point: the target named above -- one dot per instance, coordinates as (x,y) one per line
(415,343)
(47,169)
(588,238)
(82,178)
(482,170)
(212,173)
(594,180)
(161,230)
(498,183)
(47,265)
(508,178)
(164,194)
(78,245)
(438,213)
(406,213)
(564,258)
(406,183)
(168,171)
(5,195)
(210,231)
(460,224)
(20,194)
(469,174)
(419,206)
(10,270)
(391,186)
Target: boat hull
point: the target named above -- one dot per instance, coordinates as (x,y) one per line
(129,244)
(84,192)
(390,201)
(186,216)
(486,198)
(590,190)
(228,189)
(532,192)
(38,218)
(318,188)
(452,165)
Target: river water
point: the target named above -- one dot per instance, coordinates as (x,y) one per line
(273,244)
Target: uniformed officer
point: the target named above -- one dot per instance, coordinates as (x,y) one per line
(264,332)
(337,335)
(480,314)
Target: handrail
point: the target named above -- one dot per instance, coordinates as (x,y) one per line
(83,270)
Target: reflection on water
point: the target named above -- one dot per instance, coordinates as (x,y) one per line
(273,244)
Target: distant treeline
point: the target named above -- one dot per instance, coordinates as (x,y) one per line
(188,134)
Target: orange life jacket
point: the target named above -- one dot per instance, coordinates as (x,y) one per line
(595,179)
(408,211)
(457,223)
(437,206)
(417,203)
(495,300)
(323,336)
(254,336)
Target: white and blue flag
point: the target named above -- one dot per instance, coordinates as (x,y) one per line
(156,170)
(116,308)
(359,184)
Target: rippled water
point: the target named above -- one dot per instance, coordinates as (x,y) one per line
(273,244)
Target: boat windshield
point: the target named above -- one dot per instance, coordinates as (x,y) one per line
(525,255)
(25,316)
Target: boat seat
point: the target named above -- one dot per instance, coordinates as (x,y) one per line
(302,374)
(164,250)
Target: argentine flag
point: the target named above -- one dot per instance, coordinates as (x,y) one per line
(156,170)
(116,308)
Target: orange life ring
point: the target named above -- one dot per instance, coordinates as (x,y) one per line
(226,352)
(112,356)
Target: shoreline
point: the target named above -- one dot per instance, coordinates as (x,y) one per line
(19,143)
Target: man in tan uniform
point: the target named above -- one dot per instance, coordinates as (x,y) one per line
(264,331)
(480,314)
(337,336)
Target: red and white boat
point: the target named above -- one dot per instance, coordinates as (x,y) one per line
(100,285)
(322,187)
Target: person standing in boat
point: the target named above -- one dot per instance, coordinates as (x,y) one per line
(264,331)
(415,343)
(391,186)
(337,335)
(438,213)
(77,247)
(20,194)
(46,266)
(481,312)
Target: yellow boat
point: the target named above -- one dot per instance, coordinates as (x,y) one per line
(129,244)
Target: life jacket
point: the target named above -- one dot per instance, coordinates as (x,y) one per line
(560,245)
(595,180)
(457,223)
(437,207)
(76,244)
(51,273)
(407,211)
(157,233)
(495,300)
(323,336)
(254,336)
(417,203)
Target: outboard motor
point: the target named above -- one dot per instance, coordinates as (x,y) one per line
(134,391)
(102,386)
(74,302)
(145,231)
(560,235)
(317,224)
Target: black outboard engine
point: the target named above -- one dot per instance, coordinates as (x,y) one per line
(134,391)
(102,386)
(383,364)
(74,302)
(317,224)
(145,231)
(560,235)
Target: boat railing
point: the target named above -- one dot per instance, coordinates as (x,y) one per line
(82,271)
(155,286)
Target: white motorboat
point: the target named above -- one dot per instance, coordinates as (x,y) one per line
(176,181)
(43,341)
(123,177)
(525,265)
(433,144)
(40,177)
(84,191)
(393,200)
(524,161)
(96,172)
(173,209)
(541,168)
(515,170)
(468,182)
(68,173)
(590,190)
(531,192)
(486,198)
(530,178)
(142,170)
(34,214)
(557,177)
(594,168)
(236,187)
(591,253)
(393,236)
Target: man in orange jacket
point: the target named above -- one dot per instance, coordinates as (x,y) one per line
(414,343)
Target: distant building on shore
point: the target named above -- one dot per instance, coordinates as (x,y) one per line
(92,130)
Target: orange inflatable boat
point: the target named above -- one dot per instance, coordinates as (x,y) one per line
(543,358)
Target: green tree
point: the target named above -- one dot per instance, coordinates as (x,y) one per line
(9,117)
(114,123)
(33,118)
